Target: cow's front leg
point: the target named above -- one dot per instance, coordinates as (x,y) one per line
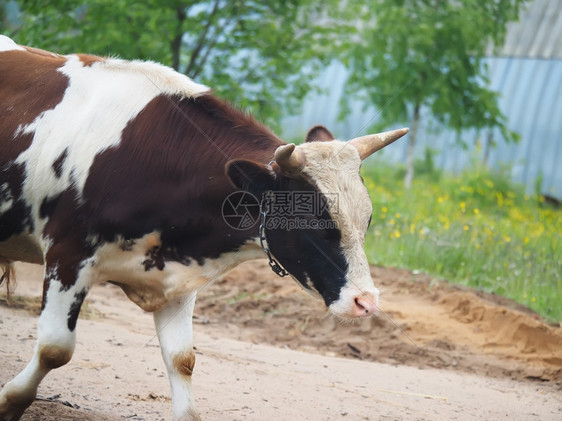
(56,337)
(174,327)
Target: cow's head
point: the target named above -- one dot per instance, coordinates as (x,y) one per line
(321,247)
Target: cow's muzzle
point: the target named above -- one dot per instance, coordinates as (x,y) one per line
(358,305)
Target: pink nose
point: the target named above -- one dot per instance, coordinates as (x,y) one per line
(364,305)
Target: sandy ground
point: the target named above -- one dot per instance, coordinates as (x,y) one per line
(265,350)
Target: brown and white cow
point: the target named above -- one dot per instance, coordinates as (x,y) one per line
(114,170)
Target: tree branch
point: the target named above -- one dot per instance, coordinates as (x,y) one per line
(198,68)
(201,40)
(176,42)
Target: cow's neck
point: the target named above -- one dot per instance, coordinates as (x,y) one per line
(212,133)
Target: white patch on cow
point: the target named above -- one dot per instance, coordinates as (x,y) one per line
(334,168)
(7,44)
(97,105)
(175,332)
(164,79)
(6,205)
(150,289)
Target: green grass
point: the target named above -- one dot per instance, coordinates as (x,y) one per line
(477,229)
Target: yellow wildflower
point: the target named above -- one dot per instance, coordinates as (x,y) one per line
(499,197)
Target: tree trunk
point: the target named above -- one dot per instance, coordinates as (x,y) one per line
(411,148)
(488,145)
(176,42)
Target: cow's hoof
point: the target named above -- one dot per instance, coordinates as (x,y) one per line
(191,415)
(11,412)
(12,406)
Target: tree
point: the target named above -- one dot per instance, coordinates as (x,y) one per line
(261,55)
(429,53)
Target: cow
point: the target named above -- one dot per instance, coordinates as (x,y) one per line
(118,171)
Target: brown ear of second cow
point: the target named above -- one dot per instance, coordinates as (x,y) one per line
(319,134)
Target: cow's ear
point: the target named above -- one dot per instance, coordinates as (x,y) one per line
(250,176)
(319,134)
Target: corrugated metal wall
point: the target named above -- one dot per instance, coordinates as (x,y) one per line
(528,75)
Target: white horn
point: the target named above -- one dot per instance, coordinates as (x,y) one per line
(368,145)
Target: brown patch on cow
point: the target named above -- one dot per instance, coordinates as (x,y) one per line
(59,162)
(147,298)
(53,356)
(154,259)
(66,257)
(152,241)
(30,85)
(168,175)
(184,362)
(88,59)
(41,52)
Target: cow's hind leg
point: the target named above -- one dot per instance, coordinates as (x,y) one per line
(174,327)
(56,338)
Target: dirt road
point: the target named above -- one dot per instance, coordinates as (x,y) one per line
(267,351)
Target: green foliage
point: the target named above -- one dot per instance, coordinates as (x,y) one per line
(428,53)
(2,17)
(478,229)
(261,55)
(265,55)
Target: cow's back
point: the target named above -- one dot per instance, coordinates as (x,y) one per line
(59,113)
